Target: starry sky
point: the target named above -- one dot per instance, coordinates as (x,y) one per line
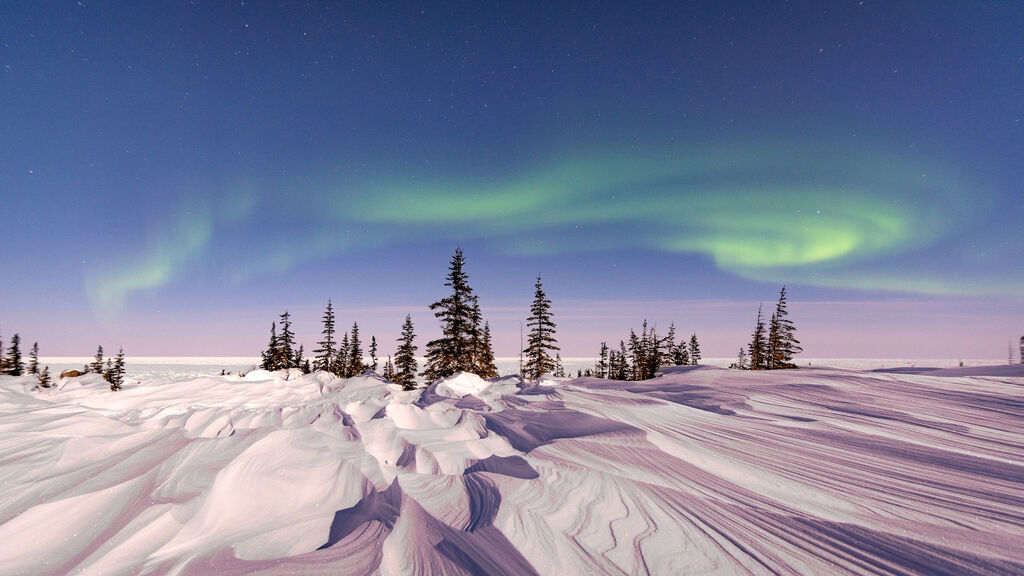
(175,174)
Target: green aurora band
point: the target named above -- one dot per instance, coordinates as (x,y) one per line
(764,213)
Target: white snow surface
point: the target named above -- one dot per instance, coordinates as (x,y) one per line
(702,470)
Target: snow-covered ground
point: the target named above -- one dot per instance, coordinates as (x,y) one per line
(703,470)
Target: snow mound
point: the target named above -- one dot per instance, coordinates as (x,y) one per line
(461,384)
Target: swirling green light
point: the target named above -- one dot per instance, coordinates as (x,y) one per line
(764,212)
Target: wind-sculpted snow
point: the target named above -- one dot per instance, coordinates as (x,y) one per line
(700,471)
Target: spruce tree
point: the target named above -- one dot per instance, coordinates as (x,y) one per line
(373,353)
(325,354)
(758,347)
(668,347)
(601,370)
(486,367)
(286,343)
(389,370)
(341,358)
(458,314)
(541,340)
(44,378)
(355,353)
(741,359)
(117,371)
(784,345)
(405,357)
(14,364)
(3,360)
(97,362)
(299,359)
(33,356)
(271,354)
(559,368)
(694,350)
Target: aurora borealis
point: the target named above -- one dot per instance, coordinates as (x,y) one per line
(213,164)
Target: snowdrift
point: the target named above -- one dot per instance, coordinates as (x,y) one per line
(700,471)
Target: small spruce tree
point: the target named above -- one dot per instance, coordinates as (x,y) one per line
(486,366)
(694,350)
(341,358)
(117,371)
(33,359)
(373,353)
(44,378)
(286,344)
(97,361)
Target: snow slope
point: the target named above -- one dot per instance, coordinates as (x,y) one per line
(702,470)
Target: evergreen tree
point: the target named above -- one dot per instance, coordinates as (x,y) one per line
(117,371)
(108,372)
(635,356)
(601,369)
(373,353)
(758,346)
(668,347)
(405,357)
(97,362)
(271,354)
(559,368)
(741,359)
(286,343)
(458,314)
(44,378)
(541,340)
(355,353)
(694,350)
(486,367)
(3,361)
(299,360)
(624,370)
(342,359)
(325,353)
(681,354)
(33,362)
(389,370)
(14,364)
(782,342)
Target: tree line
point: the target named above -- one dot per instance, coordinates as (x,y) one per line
(12,364)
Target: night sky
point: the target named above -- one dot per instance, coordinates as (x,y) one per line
(174,175)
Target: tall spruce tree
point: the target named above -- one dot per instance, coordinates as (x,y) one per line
(485,365)
(33,359)
(271,354)
(541,340)
(601,369)
(355,353)
(454,350)
(782,342)
(373,353)
(341,359)
(405,357)
(14,364)
(286,343)
(324,359)
(758,347)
